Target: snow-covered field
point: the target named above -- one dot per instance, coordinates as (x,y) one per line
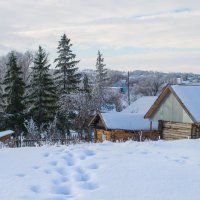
(126,171)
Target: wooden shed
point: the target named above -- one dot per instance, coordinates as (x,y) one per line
(178,112)
(123,126)
(5,135)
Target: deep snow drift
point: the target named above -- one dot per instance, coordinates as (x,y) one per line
(127,171)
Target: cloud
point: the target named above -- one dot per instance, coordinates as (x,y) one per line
(167,60)
(112,24)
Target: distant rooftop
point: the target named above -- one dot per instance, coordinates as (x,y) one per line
(190,97)
(140,106)
(127,121)
(7,132)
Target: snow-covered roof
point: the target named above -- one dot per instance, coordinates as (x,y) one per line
(141,106)
(190,97)
(127,121)
(7,132)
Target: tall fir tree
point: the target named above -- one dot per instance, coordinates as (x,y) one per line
(1,98)
(14,88)
(101,78)
(67,78)
(41,95)
(86,86)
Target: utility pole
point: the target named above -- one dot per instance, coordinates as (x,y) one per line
(128,84)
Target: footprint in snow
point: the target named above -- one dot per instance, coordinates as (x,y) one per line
(89,186)
(61,150)
(61,171)
(93,166)
(69,154)
(89,152)
(79,170)
(144,152)
(36,167)
(61,190)
(185,157)
(81,175)
(82,157)
(179,161)
(35,189)
(47,171)
(53,163)
(55,198)
(60,180)
(69,159)
(21,175)
(46,155)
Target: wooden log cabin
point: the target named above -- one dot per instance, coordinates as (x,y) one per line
(5,135)
(122,127)
(178,112)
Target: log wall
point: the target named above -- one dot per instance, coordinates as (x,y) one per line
(174,130)
(5,138)
(120,135)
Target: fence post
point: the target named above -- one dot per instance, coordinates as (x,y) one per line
(160,128)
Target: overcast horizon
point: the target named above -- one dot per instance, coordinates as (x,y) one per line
(132,35)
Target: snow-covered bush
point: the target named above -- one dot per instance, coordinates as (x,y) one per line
(31,128)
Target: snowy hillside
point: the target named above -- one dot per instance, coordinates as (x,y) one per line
(140,171)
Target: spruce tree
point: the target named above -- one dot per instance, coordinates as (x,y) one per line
(67,78)
(1,98)
(86,86)
(14,88)
(101,78)
(41,96)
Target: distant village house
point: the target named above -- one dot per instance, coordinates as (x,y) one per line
(6,135)
(128,124)
(178,111)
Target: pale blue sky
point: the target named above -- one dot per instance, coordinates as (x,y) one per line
(132,34)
